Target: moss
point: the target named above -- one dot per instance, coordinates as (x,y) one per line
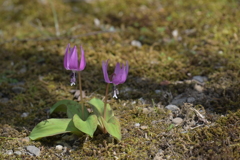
(207,45)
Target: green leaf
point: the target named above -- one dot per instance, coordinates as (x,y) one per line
(98,108)
(89,126)
(71,108)
(52,127)
(110,123)
(113,127)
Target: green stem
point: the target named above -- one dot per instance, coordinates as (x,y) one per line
(81,96)
(105,106)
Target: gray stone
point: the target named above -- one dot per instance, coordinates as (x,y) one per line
(172,107)
(18,153)
(200,79)
(4,100)
(25,114)
(191,99)
(18,89)
(23,70)
(179,100)
(177,120)
(157,91)
(9,152)
(33,150)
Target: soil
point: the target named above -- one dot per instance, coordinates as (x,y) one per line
(181,99)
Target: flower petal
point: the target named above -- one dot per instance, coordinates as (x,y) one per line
(66,56)
(125,72)
(73,60)
(83,60)
(104,69)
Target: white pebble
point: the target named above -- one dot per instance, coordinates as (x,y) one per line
(137,125)
(59,147)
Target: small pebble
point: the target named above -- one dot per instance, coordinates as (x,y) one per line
(18,89)
(191,99)
(136,43)
(200,79)
(157,91)
(25,140)
(59,147)
(96,22)
(9,152)
(145,111)
(18,153)
(23,70)
(33,150)
(137,125)
(25,114)
(177,120)
(4,100)
(198,88)
(144,127)
(172,107)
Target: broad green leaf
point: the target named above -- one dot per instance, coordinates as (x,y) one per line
(113,127)
(52,127)
(89,126)
(98,108)
(71,107)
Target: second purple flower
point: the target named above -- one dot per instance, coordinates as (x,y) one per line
(118,77)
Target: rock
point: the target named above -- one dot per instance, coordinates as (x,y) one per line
(177,120)
(179,100)
(23,70)
(18,89)
(145,111)
(4,100)
(175,33)
(136,43)
(157,91)
(143,101)
(200,79)
(9,152)
(172,107)
(191,99)
(25,114)
(25,140)
(137,125)
(159,155)
(59,147)
(33,150)
(18,153)
(144,127)
(96,22)
(198,88)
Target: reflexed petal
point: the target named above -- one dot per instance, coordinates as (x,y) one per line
(125,73)
(66,57)
(73,60)
(105,74)
(82,61)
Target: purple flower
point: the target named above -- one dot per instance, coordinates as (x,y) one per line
(120,73)
(119,76)
(72,63)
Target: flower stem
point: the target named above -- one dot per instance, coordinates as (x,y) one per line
(105,106)
(81,96)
